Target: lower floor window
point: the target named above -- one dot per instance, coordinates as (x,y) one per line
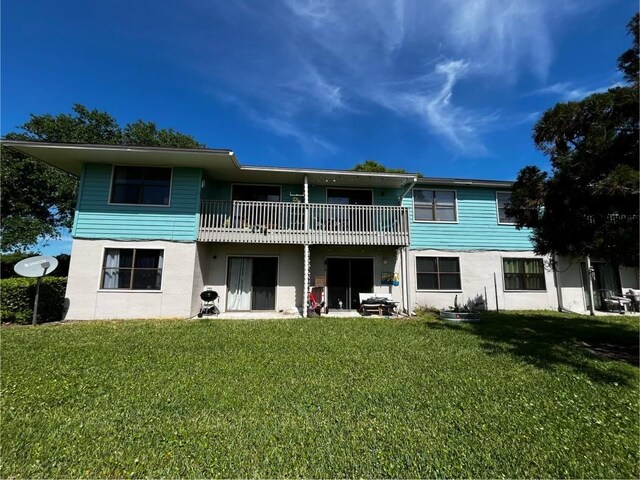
(523,274)
(438,273)
(132,269)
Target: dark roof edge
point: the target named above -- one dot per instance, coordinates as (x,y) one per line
(101,146)
(462,182)
(257,168)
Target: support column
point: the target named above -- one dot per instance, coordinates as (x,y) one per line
(306,268)
(306,282)
(590,274)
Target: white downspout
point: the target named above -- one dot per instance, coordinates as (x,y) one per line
(306,269)
(405,252)
(402,279)
(406,280)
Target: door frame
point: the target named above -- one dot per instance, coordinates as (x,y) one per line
(348,257)
(226,281)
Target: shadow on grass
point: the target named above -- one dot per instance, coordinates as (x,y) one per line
(547,340)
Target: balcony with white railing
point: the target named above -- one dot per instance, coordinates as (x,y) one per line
(299,223)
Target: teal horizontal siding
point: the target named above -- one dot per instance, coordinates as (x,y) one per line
(95,218)
(477,227)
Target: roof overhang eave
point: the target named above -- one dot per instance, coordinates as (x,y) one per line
(70,157)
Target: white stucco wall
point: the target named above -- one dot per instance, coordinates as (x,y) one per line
(476,271)
(200,274)
(86,301)
(571,285)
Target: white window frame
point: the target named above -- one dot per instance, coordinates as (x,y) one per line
(455,205)
(152,205)
(226,280)
(129,290)
(498,208)
(504,282)
(437,289)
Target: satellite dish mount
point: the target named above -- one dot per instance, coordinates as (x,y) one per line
(36,267)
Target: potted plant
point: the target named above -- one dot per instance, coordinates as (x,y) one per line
(466,313)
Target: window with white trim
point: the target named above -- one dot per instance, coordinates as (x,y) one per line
(438,273)
(141,185)
(503,199)
(523,274)
(434,205)
(132,269)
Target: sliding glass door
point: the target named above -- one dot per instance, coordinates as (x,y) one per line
(251,283)
(346,279)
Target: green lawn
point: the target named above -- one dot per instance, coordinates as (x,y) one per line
(518,395)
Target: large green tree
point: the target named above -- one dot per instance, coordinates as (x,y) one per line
(373,166)
(37,199)
(588,203)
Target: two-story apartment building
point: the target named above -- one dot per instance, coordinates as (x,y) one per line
(154,226)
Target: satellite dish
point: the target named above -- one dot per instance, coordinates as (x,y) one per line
(35,266)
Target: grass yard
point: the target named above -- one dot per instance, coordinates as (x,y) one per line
(524,394)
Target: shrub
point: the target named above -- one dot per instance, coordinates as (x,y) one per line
(16,305)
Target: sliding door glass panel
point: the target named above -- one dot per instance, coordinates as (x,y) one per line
(361,279)
(265,279)
(239,283)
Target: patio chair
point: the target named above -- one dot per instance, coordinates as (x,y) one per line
(613,301)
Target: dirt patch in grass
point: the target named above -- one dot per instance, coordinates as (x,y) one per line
(623,353)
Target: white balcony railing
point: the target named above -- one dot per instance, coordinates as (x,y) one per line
(299,223)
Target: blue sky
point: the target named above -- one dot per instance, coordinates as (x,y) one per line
(447,88)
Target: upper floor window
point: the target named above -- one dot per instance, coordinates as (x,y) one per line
(141,185)
(434,205)
(349,196)
(523,274)
(503,199)
(255,193)
(132,269)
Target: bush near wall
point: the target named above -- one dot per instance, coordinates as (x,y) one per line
(16,304)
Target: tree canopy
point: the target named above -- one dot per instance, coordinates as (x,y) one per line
(588,203)
(373,166)
(37,199)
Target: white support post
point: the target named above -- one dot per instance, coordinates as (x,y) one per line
(306,269)
(590,274)
(305,310)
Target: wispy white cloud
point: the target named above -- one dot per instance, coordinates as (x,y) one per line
(311,85)
(308,141)
(568,91)
(504,37)
(313,10)
(430,98)
(296,59)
